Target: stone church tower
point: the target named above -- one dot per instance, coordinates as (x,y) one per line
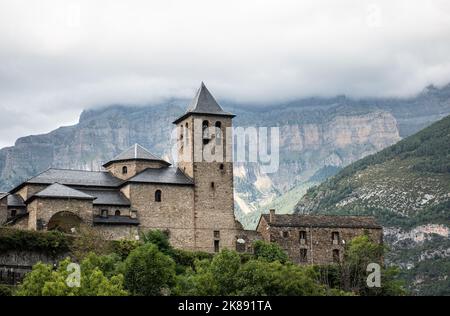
(205,155)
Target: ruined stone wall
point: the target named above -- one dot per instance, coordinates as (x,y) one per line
(319,244)
(174,213)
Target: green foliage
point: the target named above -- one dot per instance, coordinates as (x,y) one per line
(159,238)
(52,243)
(260,278)
(359,253)
(186,259)
(148,271)
(123,247)
(6,290)
(44,281)
(269,252)
(227,275)
(89,240)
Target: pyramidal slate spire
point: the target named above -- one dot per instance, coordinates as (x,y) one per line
(203,103)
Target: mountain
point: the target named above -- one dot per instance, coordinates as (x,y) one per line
(407,187)
(318,136)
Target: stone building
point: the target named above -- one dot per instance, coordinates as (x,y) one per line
(192,201)
(316,239)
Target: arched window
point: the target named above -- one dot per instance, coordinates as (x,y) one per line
(124,170)
(205,132)
(218,132)
(221,166)
(117,213)
(212,185)
(187,132)
(158,196)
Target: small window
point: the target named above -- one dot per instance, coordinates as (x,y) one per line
(302,237)
(303,255)
(13,213)
(221,166)
(117,213)
(216,234)
(104,213)
(216,246)
(335,238)
(158,196)
(124,170)
(212,185)
(285,234)
(336,257)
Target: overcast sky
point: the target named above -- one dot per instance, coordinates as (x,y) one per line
(59,57)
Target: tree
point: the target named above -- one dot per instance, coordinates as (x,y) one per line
(269,252)
(359,253)
(227,275)
(159,239)
(259,277)
(148,271)
(44,281)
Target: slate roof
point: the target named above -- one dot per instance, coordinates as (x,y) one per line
(297,220)
(57,190)
(135,152)
(15,200)
(75,178)
(203,103)
(115,220)
(3,194)
(108,197)
(170,175)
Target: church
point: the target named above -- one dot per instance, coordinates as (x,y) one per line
(193,201)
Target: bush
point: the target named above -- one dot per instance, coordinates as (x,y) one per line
(52,243)
(148,271)
(6,290)
(269,252)
(227,275)
(124,247)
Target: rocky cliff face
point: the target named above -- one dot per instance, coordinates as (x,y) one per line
(407,187)
(317,138)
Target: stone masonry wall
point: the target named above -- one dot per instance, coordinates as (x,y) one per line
(215,224)
(174,213)
(3,209)
(318,243)
(133,168)
(44,208)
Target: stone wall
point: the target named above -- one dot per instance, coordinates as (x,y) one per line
(133,167)
(215,224)
(318,244)
(15,264)
(44,208)
(116,232)
(174,213)
(29,190)
(3,209)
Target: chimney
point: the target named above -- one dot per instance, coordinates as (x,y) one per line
(272,215)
